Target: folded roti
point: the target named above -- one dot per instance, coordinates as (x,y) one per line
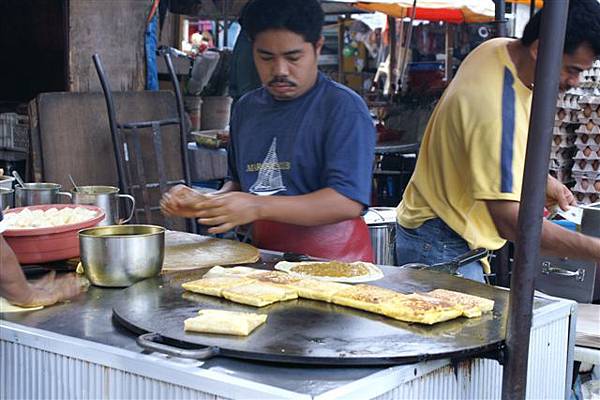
(318,290)
(215,286)
(419,308)
(364,297)
(238,271)
(259,294)
(224,322)
(472,306)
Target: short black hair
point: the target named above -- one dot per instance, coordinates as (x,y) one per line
(303,17)
(583,26)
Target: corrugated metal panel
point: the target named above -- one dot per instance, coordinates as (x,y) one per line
(482,379)
(29,373)
(547,364)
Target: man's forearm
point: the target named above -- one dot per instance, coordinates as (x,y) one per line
(555,239)
(325,206)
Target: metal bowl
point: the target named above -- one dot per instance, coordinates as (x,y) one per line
(121,255)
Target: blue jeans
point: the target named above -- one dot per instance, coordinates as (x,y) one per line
(431,243)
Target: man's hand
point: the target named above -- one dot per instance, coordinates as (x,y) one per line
(557,193)
(51,289)
(225,212)
(182,201)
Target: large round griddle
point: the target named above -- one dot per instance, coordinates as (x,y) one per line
(311,332)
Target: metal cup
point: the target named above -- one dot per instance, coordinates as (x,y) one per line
(107,198)
(7,198)
(34,194)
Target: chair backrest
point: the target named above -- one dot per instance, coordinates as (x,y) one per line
(71,135)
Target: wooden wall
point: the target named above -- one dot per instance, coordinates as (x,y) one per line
(115,30)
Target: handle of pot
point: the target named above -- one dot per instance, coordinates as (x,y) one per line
(131,210)
(69,195)
(147,341)
(549,269)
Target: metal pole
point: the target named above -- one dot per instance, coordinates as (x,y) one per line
(547,72)
(531,8)
(500,18)
(449,52)
(393,55)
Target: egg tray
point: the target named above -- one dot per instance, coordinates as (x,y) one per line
(589,153)
(587,186)
(563,153)
(586,198)
(586,166)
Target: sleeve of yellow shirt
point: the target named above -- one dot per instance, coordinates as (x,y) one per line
(496,148)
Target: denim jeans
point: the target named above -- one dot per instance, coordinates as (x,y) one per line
(431,243)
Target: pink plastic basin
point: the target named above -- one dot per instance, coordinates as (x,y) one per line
(40,245)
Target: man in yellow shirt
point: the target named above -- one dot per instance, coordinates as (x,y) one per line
(466,187)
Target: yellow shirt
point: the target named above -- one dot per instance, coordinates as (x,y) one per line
(473,149)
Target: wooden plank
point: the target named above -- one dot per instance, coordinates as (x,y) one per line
(74,138)
(115,30)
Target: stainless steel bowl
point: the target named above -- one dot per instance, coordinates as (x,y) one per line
(120,255)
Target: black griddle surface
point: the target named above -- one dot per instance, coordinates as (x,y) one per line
(311,332)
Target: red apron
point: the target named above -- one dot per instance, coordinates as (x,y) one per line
(344,241)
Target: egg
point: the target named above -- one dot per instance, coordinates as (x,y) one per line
(596,165)
(557,139)
(597,186)
(590,126)
(582,164)
(597,139)
(585,138)
(561,114)
(587,111)
(585,184)
(587,151)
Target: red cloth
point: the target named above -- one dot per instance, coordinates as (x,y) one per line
(344,241)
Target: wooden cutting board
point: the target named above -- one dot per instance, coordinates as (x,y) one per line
(185,251)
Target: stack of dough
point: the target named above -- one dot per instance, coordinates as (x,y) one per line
(28,219)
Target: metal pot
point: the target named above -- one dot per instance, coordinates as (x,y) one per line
(120,255)
(34,194)
(590,221)
(7,198)
(381,222)
(107,198)
(6,182)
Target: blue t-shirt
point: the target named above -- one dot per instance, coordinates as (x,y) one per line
(323,139)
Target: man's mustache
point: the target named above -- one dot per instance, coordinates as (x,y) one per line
(280,80)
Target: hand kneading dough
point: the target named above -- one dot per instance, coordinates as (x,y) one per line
(224,322)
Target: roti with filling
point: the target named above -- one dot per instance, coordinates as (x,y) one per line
(259,294)
(224,322)
(215,286)
(365,297)
(419,308)
(318,290)
(335,271)
(471,305)
(186,251)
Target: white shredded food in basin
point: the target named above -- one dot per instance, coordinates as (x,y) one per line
(28,219)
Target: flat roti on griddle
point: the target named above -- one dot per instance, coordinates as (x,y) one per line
(224,322)
(419,308)
(259,294)
(334,271)
(185,251)
(215,286)
(469,303)
(318,290)
(364,297)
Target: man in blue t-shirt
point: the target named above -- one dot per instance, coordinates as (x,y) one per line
(302,146)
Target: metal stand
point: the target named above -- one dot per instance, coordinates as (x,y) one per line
(126,139)
(547,72)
